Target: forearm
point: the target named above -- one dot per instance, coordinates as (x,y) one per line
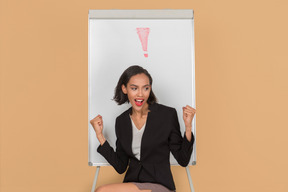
(188,133)
(101,139)
(119,159)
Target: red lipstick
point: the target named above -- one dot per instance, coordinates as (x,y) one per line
(139,102)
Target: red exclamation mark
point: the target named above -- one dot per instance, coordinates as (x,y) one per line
(143,36)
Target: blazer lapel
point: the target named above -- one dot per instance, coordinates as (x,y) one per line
(148,128)
(129,130)
(150,118)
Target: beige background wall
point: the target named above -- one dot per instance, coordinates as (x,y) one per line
(241,95)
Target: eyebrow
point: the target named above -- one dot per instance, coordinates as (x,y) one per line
(137,85)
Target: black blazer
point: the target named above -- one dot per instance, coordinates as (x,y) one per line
(161,135)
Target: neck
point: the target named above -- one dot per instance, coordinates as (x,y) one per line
(142,112)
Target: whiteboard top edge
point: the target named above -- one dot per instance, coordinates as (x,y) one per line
(142,14)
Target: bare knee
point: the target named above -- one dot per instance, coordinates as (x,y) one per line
(102,189)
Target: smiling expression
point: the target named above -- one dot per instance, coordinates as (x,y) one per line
(138,91)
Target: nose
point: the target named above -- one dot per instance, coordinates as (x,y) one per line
(139,92)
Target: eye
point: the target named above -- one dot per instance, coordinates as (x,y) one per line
(147,88)
(133,88)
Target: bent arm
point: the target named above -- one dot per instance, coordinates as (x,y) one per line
(180,147)
(119,159)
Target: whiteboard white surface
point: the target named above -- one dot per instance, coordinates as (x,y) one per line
(114,45)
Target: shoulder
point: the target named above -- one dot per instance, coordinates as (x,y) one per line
(121,121)
(166,115)
(164,110)
(162,107)
(123,115)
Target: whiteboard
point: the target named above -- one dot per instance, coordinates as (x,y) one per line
(161,41)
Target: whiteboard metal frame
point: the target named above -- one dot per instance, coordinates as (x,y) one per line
(141,14)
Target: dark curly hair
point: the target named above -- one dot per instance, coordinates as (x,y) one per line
(119,96)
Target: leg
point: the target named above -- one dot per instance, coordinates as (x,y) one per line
(121,187)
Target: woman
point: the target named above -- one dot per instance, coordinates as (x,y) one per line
(146,133)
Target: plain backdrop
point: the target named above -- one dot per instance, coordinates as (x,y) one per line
(241,95)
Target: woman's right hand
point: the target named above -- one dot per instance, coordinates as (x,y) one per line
(97,124)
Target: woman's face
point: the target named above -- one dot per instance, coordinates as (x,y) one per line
(138,91)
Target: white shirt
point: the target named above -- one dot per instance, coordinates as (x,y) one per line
(136,139)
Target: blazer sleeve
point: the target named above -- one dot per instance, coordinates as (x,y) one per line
(180,147)
(119,159)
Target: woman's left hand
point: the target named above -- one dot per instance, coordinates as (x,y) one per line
(188,114)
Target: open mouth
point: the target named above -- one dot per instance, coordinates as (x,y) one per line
(139,102)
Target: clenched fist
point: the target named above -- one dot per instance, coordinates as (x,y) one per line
(188,114)
(97,124)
